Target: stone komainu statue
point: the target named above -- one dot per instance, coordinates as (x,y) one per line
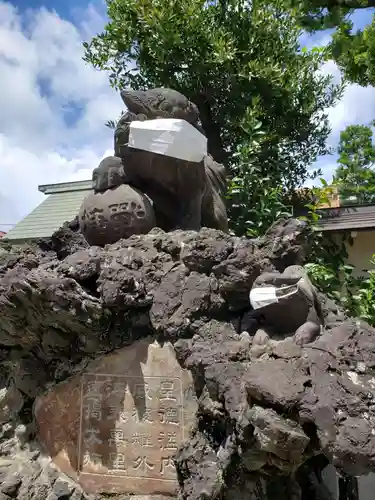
(295,309)
(156,190)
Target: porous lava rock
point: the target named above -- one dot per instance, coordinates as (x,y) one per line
(268,422)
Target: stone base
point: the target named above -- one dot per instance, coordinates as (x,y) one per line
(105,218)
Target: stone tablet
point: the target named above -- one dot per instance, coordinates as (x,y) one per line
(116,427)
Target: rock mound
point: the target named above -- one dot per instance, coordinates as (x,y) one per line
(269,417)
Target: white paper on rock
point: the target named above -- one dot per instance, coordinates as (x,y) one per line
(266,295)
(263,296)
(169,137)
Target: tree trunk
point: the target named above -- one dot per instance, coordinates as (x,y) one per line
(211,129)
(348,488)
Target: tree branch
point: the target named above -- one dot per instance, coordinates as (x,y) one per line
(211,129)
(348,4)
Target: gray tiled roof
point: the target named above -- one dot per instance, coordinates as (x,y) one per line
(348,218)
(62,204)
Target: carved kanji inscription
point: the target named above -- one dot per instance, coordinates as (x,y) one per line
(116,427)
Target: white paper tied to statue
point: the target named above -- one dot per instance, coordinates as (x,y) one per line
(264,296)
(169,137)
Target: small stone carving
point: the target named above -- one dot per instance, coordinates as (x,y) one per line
(184,194)
(109,174)
(290,308)
(105,217)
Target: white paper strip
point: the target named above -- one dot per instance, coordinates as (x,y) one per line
(169,137)
(263,296)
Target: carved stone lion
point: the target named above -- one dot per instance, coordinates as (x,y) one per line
(184,194)
(296,312)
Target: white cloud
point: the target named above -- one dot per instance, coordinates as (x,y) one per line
(44,83)
(357,106)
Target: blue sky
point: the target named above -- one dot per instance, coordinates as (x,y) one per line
(54,106)
(70,10)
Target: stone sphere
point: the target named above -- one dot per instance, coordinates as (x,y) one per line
(105,218)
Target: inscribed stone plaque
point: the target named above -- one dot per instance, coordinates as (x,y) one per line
(116,427)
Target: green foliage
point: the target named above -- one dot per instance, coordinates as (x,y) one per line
(112,124)
(355,149)
(327,266)
(227,57)
(315,15)
(355,294)
(354,52)
(363,296)
(254,201)
(355,175)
